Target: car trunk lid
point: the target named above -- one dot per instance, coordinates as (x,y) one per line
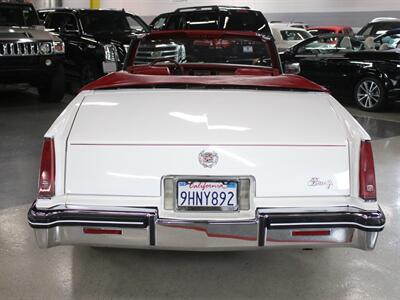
(124,142)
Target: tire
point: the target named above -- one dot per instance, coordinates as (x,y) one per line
(370,94)
(89,73)
(54,89)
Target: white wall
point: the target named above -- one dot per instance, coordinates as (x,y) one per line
(155,7)
(77,3)
(314,12)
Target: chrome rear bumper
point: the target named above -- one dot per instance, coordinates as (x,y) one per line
(141,228)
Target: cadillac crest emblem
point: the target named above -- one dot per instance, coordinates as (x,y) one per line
(208,159)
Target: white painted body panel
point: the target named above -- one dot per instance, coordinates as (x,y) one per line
(279,171)
(211,117)
(124,143)
(310,123)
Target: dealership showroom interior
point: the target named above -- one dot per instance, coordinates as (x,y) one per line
(199,149)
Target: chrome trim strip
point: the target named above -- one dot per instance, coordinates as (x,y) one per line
(84,221)
(102,208)
(328,224)
(330,209)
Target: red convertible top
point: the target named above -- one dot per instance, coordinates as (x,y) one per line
(126,80)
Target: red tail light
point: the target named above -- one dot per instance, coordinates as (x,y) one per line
(47,171)
(311,232)
(367,172)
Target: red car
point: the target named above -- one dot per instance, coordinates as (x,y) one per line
(346,30)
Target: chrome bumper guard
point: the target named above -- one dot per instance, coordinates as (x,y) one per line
(141,228)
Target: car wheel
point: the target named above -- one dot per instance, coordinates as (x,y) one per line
(370,94)
(89,73)
(54,89)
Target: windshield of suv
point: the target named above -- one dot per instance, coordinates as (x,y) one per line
(18,15)
(106,21)
(245,20)
(229,50)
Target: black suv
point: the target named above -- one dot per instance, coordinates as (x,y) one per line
(96,41)
(29,54)
(213,18)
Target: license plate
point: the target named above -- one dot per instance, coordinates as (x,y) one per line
(218,195)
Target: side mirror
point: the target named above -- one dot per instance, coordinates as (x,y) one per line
(69,29)
(292,68)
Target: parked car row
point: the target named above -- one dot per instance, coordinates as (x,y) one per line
(84,44)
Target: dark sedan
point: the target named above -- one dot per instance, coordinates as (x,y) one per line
(368,73)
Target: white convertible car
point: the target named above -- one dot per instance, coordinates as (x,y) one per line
(218,152)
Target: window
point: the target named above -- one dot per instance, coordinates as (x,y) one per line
(134,24)
(366,30)
(174,22)
(245,21)
(159,23)
(57,21)
(18,15)
(103,21)
(199,20)
(294,35)
(382,27)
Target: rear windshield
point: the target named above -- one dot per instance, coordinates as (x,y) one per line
(97,21)
(320,31)
(18,15)
(243,20)
(294,35)
(230,50)
(199,20)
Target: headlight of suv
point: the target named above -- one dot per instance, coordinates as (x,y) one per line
(45,48)
(48,48)
(111,53)
(58,48)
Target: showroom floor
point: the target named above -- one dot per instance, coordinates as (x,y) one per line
(83,272)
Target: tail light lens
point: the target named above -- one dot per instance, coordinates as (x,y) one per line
(367,172)
(47,171)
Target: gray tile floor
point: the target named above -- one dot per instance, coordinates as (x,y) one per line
(27,272)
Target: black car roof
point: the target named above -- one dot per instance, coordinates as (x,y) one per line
(15,4)
(211,7)
(64,9)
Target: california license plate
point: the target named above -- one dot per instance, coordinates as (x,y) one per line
(218,195)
